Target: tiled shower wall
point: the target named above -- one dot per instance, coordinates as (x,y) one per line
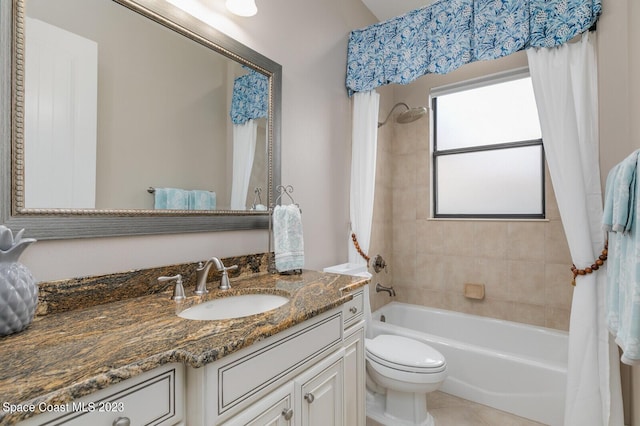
(524,265)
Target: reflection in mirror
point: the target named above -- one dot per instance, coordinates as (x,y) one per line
(128,128)
(115,103)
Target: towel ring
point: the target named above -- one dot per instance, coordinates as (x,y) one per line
(286,190)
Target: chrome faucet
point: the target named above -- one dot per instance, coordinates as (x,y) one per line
(390,290)
(203,271)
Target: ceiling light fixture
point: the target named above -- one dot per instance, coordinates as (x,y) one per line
(242,7)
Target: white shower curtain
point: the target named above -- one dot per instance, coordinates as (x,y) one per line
(244,149)
(565,85)
(364,145)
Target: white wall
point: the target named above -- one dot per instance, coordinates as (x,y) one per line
(309,39)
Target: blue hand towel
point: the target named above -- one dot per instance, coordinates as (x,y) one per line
(624,194)
(607,214)
(171,198)
(202,200)
(160,199)
(288,239)
(623,265)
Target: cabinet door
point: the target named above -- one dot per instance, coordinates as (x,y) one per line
(354,376)
(321,396)
(279,414)
(273,410)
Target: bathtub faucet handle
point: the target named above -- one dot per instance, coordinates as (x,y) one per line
(379,264)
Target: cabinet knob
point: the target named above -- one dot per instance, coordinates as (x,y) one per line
(309,397)
(287,413)
(353,309)
(122,421)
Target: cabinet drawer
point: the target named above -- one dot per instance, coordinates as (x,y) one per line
(248,375)
(153,398)
(353,309)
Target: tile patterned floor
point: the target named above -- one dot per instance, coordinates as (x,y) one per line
(448,410)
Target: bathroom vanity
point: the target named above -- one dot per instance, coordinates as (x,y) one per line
(135,361)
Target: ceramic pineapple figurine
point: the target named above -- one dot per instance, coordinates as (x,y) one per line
(18,289)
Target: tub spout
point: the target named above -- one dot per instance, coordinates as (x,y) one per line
(390,290)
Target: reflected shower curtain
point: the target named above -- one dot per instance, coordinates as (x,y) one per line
(244,148)
(364,145)
(565,85)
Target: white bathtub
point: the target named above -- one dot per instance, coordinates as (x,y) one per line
(513,367)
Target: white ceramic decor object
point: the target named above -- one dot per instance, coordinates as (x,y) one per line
(18,289)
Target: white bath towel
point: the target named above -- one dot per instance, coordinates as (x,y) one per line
(287,236)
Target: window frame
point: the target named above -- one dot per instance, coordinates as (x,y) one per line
(435,153)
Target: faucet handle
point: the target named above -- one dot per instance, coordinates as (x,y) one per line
(379,264)
(178,290)
(224,279)
(220,266)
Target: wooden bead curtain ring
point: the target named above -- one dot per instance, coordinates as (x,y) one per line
(358,249)
(588,270)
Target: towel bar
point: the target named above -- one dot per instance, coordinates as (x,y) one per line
(152,190)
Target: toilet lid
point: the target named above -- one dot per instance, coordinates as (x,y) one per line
(404,353)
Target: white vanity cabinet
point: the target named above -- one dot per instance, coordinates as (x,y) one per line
(311,374)
(155,397)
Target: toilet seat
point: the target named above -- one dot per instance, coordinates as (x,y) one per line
(404,354)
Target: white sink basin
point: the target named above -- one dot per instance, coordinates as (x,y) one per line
(234,307)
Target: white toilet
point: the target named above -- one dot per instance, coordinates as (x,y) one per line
(400,371)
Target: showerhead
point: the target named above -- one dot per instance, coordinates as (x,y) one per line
(408,116)
(411,115)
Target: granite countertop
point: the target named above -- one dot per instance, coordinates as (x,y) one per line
(64,356)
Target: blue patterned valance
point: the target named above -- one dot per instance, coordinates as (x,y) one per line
(250,97)
(449,33)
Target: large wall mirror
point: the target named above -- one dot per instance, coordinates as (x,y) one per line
(124,117)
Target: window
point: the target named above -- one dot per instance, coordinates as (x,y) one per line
(488,160)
